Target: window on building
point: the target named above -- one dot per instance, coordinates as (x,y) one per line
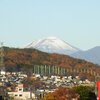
(16,95)
(20,95)
(20,89)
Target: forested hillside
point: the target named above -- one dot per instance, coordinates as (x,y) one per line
(16,59)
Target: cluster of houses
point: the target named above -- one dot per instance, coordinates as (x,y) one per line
(51,84)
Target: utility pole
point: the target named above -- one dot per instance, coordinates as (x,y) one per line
(2,67)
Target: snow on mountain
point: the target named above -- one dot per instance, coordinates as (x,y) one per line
(52,45)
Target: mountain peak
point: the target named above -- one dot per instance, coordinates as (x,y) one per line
(52,45)
(51,37)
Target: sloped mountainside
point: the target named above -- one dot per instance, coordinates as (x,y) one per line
(91,55)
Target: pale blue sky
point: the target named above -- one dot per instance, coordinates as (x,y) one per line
(75,21)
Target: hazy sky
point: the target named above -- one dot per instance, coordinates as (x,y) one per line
(75,21)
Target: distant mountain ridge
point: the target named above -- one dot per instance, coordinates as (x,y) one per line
(52,45)
(91,55)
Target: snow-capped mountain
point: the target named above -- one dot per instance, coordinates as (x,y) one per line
(52,45)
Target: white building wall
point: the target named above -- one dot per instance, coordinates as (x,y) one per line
(20,95)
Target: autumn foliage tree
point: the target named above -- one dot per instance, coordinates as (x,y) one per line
(62,94)
(75,93)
